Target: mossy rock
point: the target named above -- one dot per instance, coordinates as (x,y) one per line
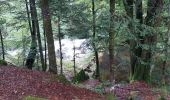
(33,98)
(62,79)
(3,62)
(81,76)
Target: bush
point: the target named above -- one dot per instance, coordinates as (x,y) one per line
(60,78)
(63,79)
(81,76)
(3,62)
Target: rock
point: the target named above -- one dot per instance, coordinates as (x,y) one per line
(81,76)
(121,61)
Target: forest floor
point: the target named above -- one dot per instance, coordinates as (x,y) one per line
(17,84)
(21,84)
(132,91)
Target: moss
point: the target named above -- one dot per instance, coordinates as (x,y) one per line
(162,98)
(3,62)
(62,79)
(33,98)
(110,97)
(81,76)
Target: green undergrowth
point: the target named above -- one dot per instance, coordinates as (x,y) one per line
(33,98)
(81,76)
(3,62)
(110,96)
(60,78)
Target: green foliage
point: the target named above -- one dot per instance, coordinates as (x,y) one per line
(101,87)
(110,97)
(162,98)
(164,93)
(3,62)
(81,76)
(33,98)
(61,78)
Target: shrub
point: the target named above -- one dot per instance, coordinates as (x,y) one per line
(3,62)
(81,76)
(62,79)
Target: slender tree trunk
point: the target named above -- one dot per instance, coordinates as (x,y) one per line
(111,39)
(32,54)
(28,16)
(129,7)
(2,46)
(94,38)
(74,59)
(39,38)
(136,49)
(49,36)
(45,46)
(24,48)
(61,54)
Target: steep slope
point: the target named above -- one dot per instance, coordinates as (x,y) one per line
(15,84)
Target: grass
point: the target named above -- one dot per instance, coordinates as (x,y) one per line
(33,98)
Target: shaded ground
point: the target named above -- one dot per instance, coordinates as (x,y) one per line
(18,83)
(136,90)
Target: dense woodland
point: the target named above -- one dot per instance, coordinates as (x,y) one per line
(125,45)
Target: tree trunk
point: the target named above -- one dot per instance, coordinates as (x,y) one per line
(153,20)
(61,55)
(94,38)
(2,46)
(74,59)
(45,44)
(166,47)
(39,38)
(129,11)
(111,39)
(32,54)
(49,36)
(28,16)
(137,50)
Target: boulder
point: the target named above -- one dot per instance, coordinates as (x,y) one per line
(121,61)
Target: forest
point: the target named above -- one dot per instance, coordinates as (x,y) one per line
(84,49)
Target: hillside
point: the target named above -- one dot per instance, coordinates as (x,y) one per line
(16,84)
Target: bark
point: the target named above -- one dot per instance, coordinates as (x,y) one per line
(152,20)
(39,38)
(137,50)
(32,54)
(28,16)
(137,71)
(111,39)
(166,47)
(74,59)
(2,45)
(129,7)
(49,36)
(45,46)
(128,4)
(94,42)
(61,54)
